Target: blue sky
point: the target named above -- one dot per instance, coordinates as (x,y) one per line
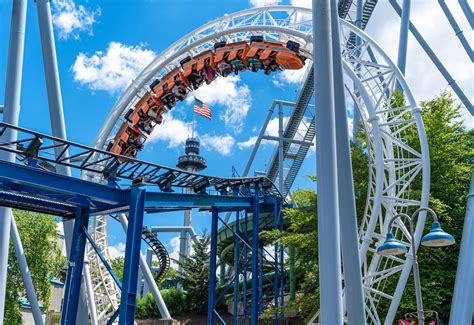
(102,45)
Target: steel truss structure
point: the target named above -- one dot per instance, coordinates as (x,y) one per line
(371,80)
(38,188)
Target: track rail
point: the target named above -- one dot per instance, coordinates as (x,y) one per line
(159,250)
(34,146)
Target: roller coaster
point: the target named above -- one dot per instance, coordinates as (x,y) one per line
(115,184)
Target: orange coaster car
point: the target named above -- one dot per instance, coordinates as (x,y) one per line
(147,113)
(128,141)
(174,86)
(199,69)
(272,55)
(228,58)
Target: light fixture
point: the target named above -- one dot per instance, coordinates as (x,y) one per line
(437,237)
(391,246)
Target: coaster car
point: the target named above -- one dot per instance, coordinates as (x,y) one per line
(229,57)
(147,113)
(199,69)
(257,55)
(174,86)
(127,142)
(271,56)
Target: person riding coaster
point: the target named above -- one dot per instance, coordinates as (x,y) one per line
(168,97)
(254,64)
(224,68)
(209,74)
(196,79)
(237,65)
(179,89)
(270,65)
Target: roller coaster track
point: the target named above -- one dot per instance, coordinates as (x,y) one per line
(393,165)
(32,145)
(159,250)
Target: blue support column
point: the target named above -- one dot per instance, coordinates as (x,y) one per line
(132,256)
(245,257)
(457,30)
(275,268)
(466,8)
(236,269)
(74,273)
(403,40)
(282,262)
(213,267)
(254,307)
(462,306)
(436,61)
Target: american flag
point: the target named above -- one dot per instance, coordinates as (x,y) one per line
(202,109)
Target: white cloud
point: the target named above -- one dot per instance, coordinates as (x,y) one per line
(293,77)
(247,144)
(235,97)
(175,132)
(272,130)
(117,250)
(172,130)
(272,127)
(302,3)
(70,20)
(222,144)
(113,70)
(174,255)
(262,3)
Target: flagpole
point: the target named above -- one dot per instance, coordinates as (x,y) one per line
(194,120)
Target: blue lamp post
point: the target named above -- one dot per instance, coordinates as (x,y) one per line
(437,237)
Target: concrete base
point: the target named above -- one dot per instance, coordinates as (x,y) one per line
(240,308)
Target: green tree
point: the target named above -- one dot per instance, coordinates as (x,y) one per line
(302,234)
(195,276)
(39,237)
(117,266)
(451,150)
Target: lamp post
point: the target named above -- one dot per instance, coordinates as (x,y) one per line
(437,237)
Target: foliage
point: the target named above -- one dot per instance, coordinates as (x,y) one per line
(117,266)
(195,276)
(301,234)
(451,150)
(451,155)
(175,300)
(43,255)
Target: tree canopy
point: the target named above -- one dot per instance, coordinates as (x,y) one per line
(39,238)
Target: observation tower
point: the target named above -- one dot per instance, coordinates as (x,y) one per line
(191,161)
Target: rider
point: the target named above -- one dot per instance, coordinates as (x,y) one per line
(209,74)
(168,97)
(254,63)
(224,68)
(179,89)
(237,64)
(270,65)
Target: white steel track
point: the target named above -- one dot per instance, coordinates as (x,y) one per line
(394,166)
